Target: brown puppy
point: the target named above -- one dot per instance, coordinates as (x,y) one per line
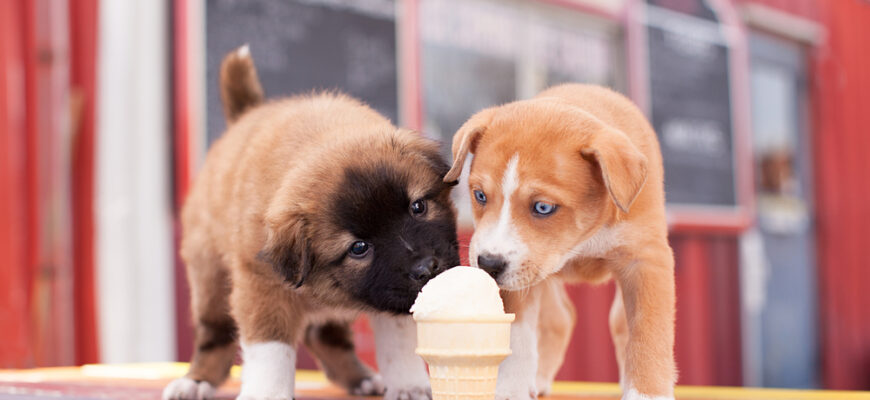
(569,186)
(308,211)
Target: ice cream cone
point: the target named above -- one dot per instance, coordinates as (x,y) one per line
(464,354)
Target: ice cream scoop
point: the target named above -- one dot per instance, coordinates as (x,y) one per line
(459,292)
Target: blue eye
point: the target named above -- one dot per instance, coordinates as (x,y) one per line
(359,249)
(543,209)
(480,197)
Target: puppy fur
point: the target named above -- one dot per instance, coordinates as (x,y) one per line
(267,232)
(591,154)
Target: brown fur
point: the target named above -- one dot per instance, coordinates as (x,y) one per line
(590,151)
(240,85)
(257,216)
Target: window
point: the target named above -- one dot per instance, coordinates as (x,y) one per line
(479,53)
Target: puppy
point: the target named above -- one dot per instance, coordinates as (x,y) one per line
(568,186)
(308,211)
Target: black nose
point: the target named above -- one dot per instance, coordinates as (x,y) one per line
(425,269)
(492,264)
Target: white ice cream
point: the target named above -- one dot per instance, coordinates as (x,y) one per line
(459,292)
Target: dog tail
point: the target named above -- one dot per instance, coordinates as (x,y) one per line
(240,86)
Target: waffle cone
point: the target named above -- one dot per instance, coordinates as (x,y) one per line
(464,355)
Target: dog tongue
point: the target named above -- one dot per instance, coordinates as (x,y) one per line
(460,292)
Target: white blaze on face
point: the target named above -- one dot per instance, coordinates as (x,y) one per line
(502,238)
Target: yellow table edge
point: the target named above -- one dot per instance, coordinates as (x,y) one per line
(171,370)
(713,392)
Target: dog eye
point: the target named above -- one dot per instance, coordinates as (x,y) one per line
(543,209)
(359,249)
(480,197)
(418,207)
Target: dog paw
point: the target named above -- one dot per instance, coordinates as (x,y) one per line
(410,393)
(188,389)
(633,394)
(371,386)
(516,393)
(518,396)
(263,398)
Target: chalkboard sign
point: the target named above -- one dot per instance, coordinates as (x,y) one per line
(690,102)
(304,45)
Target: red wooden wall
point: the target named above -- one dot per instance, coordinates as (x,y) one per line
(841,138)
(35,272)
(14,219)
(83,76)
(47,308)
(708,317)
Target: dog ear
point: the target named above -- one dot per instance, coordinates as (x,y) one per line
(288,251)
(623,166)
(465,141)
(428,150)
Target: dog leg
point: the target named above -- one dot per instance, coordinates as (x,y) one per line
(403,371)
(647,285)
(212,358)
(554,333)
(268,372)
(332,343)
(270,324)
(619,332)
(215,340)
(517,374)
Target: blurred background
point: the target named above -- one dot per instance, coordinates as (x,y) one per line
(761,106)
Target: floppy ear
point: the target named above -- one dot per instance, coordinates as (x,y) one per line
(623,166)
(288,251)
(465,141)
(427,150)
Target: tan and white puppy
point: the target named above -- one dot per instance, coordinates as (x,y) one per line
(568,186)
(308,211)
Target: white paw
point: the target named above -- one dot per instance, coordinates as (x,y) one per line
(371,386)
(515,386)
(268,371)
(530,394)
(408,393)
(543,385)
(188,389)
(633,394)
(515,390)
(544,390)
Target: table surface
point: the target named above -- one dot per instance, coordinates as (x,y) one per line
(146,381)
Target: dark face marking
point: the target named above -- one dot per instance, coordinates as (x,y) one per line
(373,204)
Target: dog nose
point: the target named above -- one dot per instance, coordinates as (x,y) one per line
(425,269)
(492,264)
